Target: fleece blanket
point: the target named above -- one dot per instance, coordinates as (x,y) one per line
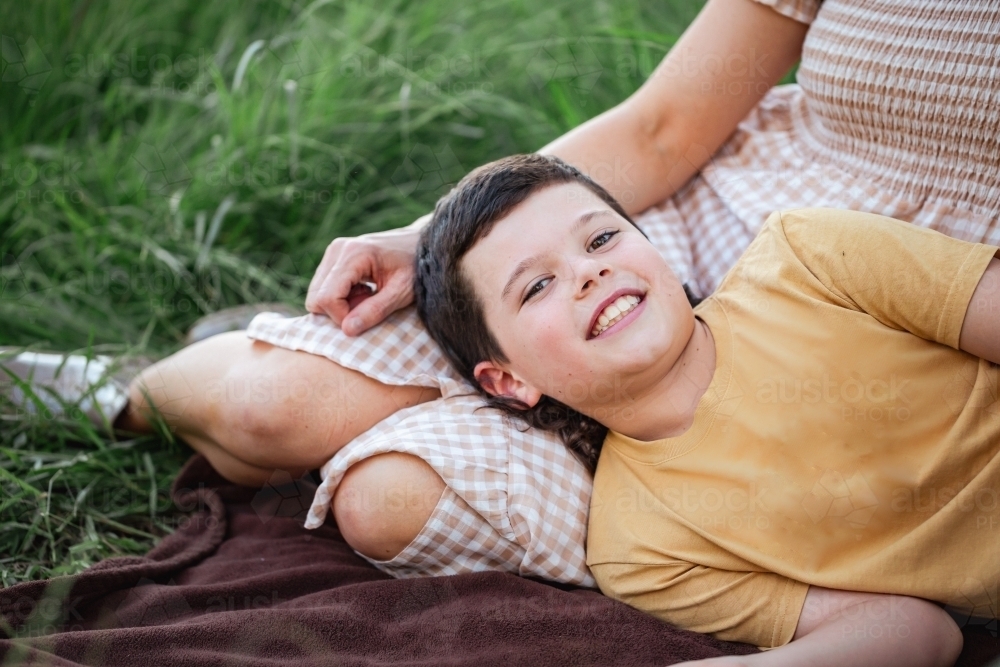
(242,583)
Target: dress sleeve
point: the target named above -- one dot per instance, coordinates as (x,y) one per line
(907,277)
(803,11)
(759,608)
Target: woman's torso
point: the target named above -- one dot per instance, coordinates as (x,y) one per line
(907,93)
(897,112)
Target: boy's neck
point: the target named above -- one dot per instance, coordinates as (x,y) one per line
(666,409)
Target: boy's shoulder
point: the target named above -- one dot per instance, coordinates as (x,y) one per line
(808,229)
(838,245)
(812,226)
(831,254)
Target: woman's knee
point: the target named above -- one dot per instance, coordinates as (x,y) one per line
(282,407)
(187,388)
(384,502)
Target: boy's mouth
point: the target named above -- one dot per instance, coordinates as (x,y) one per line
(613,310)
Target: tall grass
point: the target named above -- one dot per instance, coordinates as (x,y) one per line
(164,159)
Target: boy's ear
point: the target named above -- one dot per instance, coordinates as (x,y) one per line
(498,382)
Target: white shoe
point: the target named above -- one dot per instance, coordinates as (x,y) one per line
(98,386)
(59,381)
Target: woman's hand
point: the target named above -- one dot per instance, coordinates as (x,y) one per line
(338,287)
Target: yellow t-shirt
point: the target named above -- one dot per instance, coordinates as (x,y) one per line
(844,440)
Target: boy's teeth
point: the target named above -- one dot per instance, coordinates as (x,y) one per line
(614,312)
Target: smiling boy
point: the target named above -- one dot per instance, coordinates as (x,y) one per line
(752,484)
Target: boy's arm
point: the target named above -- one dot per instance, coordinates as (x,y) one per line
(839,628)
(981,328)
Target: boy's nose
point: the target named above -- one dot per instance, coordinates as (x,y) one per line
(591,276)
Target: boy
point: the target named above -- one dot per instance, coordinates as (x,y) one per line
(769,452)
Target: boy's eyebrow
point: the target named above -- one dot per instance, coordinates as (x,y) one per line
(521,267)
(525,264)
(590,215)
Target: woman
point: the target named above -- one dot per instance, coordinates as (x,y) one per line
(896,114)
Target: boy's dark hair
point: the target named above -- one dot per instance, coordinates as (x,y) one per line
(445,299)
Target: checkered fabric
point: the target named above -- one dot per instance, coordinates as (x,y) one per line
(803,11)
(517,500)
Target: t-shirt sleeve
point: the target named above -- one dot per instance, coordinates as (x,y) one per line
(907,277)
(803,11)
(759,608)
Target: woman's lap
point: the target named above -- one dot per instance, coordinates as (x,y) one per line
(253,408)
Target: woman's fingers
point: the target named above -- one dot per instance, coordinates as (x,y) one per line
(359,292)
(395,293)
(384,258)
(342,294)
(331,285)
(330,257)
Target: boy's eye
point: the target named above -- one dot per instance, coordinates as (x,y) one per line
(536,288)
(602,238)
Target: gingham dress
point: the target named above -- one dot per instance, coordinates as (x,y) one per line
(897,112)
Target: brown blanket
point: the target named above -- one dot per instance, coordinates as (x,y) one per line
(244,584)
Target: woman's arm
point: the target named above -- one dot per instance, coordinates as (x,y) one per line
(641,151)
(648,146)
(851,629)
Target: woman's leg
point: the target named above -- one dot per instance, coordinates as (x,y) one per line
(253,408)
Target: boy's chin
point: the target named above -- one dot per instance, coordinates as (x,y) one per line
(639,348)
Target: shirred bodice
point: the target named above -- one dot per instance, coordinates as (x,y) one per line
(907,94)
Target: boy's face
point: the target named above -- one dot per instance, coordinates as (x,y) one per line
(549,275)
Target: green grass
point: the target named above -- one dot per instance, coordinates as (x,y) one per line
(164,159)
